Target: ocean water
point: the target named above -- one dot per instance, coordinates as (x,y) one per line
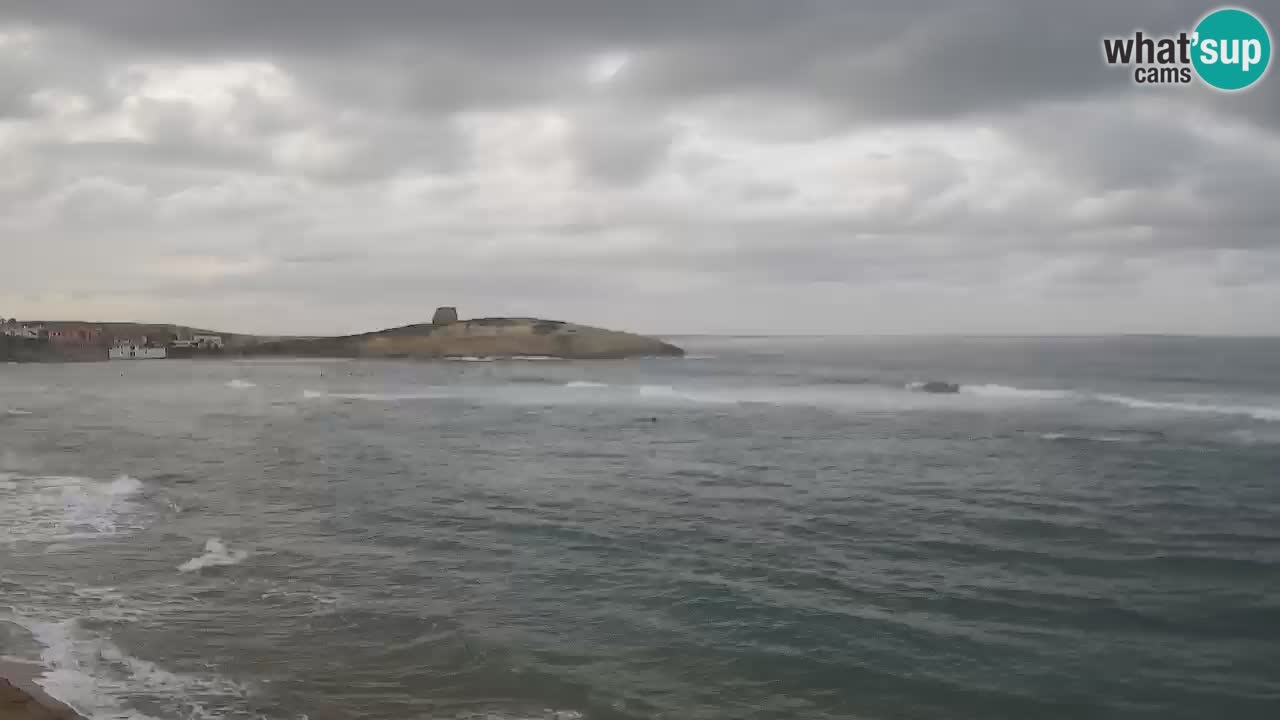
(769,528)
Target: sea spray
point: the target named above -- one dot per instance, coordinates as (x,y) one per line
(216,554)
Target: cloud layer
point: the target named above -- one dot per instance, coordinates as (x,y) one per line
(670,166)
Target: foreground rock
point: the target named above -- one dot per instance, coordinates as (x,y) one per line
(484,337)
(938,386)
(17,704)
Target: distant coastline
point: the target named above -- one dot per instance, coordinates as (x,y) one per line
(444,337)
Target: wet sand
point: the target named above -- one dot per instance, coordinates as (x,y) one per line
(22,699)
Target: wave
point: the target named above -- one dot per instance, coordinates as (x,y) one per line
(94,677)
(1264,413)
(667,393)
(1008,392)
(18,412)
(1253,437)
(52,508)
(239,384)
(216,554)
(470,358)
(313,394)
(585,384)
(1126,438)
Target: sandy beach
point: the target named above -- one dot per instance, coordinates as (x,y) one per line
(22,699)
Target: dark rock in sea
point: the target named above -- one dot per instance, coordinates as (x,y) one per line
(938,386)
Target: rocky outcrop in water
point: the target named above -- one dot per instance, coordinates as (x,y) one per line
(940,387)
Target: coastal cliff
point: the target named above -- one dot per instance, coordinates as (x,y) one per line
(483,337)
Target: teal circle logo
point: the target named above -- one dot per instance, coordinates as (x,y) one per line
(1232,49)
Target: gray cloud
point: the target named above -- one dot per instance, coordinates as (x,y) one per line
(671,165)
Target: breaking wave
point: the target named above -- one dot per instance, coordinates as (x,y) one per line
(239,384)
(1264,413)
(97,679)
(585,384)
(51,508)
(17,412)
(1126,438)
(216,554)
(1007,392)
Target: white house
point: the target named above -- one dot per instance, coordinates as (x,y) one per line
(135,350)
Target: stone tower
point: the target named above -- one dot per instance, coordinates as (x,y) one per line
(444,315)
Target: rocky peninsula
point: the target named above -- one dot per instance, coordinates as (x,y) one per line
(446,336)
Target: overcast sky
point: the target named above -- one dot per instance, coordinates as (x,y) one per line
(665,166)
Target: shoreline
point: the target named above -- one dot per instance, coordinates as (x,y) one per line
(22,699)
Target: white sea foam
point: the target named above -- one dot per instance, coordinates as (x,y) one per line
(1113,438)
(313,394)
(18,412)
(97,679)
(216,554)
(1006,392)
(585,384)
(470,358)
(1254,437)
(425,394)
(667,393)
(57,508)
(1264,413)
(239,384)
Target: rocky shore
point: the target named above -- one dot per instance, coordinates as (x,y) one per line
(20,699)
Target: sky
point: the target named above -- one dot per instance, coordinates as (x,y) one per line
(664,166)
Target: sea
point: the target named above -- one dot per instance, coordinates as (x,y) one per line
(766,528)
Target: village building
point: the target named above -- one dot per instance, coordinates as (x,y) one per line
(203,340)
(75,334)
(138,348)
(29,331)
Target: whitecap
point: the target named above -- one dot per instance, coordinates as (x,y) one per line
(216,554)
(55,508)
(239,384)
(1253,437)
(1113,438)
(667,393)
(312,394)
(1008,392)
(18,412)
(96,678)
(585,384)
(1257,412)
